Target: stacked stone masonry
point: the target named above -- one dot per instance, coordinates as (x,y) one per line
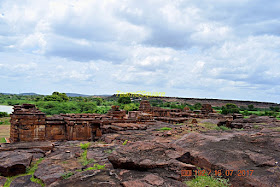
(30,124)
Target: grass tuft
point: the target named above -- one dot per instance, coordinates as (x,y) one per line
(95,167)
(125,142)
(223,128)
(85,146)
(164,129)
(67,175)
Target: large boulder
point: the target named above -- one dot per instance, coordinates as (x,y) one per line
(238,151)
(14,162)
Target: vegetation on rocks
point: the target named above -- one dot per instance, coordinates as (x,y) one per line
(165,129)
(202,181)
(30,171)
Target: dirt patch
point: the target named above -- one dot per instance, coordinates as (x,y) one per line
(4,131)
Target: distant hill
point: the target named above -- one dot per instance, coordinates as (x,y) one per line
(76,95)
(28,94)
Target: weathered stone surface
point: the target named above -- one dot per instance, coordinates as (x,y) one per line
(45,146)
(92,178)
(49,173)
(146,178)
(235,151)
(2,181)
(147,156)
(24,181)
(14,162)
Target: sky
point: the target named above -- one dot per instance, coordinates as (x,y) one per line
(223,49)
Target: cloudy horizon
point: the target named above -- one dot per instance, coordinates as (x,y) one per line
(185,48)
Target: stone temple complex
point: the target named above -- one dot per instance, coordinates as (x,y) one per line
(30,124)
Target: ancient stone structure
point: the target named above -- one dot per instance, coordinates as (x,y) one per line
(30,124)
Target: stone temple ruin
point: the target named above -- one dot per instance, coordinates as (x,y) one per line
(30,124)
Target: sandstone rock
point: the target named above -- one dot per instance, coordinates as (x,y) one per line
(148,156)
(154,180)
(92,178)
(24,181)
(135,183)
(14,162)
(238,151)
(2,181)
(48,173)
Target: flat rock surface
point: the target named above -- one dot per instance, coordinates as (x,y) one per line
(24,181)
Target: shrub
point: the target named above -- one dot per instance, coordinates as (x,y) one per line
(229,109)
(4,114)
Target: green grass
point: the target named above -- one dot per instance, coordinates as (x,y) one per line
(164,129)
(223,128)
(85,146)
(83,157)
(5,121)
(125,142)
(95,167)
(67,175)
(202,181)
(2,140)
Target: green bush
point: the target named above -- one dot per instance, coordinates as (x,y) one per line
(230,109)
(4,114)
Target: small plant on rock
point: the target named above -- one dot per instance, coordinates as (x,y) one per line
(67,175)
(125,142)
(85,146)
(165,129)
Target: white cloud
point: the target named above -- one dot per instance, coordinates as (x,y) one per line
(218,49)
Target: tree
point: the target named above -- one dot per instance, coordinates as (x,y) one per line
(56,96)
(230,109)
(251,107)
(124,100)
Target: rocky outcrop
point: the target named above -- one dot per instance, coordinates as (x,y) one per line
(49,173)
(237,151)
(149,156)
(14,162)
